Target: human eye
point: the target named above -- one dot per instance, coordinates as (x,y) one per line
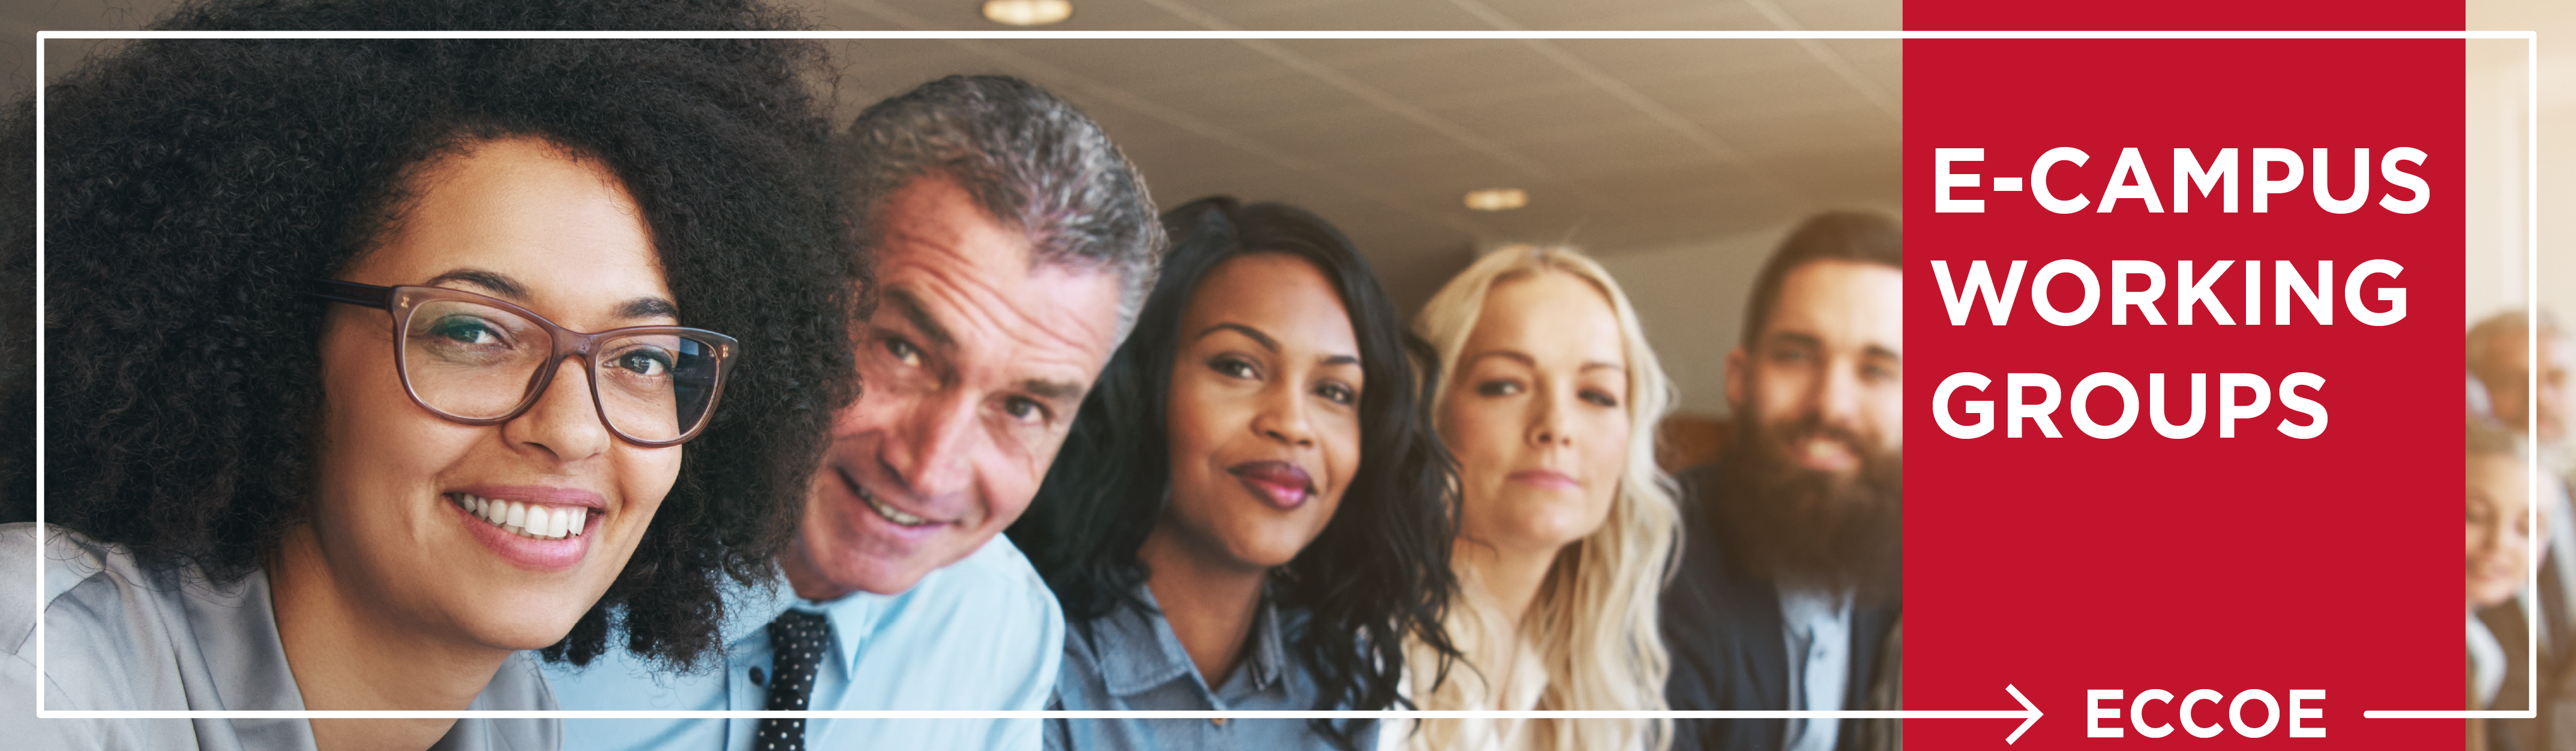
(645,361)
(466,330)
(903,352)
(1337,392)
(1498,387)
(1600,398)
(1878,370)
(1235,366)
(467,340)
(1025,409)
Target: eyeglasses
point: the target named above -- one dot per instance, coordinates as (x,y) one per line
(481,361)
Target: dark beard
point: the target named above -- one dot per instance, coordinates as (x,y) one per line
(1806,529)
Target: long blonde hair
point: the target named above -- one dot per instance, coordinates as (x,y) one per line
(1593,622)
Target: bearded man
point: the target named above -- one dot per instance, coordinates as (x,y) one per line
(1791,579)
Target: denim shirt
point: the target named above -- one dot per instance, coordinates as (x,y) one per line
(1130,660)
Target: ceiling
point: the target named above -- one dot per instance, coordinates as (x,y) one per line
(1622,145)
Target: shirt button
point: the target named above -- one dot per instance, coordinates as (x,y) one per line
(1220,721)
(756,678)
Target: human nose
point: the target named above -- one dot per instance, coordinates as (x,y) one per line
(563,422)
(1547,425)
(1283,416)
(1837,395)
(933,456)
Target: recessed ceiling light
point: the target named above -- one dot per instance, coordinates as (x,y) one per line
(1028,12)
(1497,199)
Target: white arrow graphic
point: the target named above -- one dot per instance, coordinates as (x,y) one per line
(2029,714)
(2450,714)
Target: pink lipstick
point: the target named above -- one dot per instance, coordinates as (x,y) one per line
(1281,484)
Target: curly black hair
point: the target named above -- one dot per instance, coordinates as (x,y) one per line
(1380,569)
(18,312)
(197,188)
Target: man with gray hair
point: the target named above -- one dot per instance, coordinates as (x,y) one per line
(1012,245)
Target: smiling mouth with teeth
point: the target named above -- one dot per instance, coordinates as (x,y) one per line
(890,513)
(525,519)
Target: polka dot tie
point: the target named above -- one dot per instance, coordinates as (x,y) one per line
(797,643)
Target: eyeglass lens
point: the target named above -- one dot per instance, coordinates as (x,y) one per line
(477,362)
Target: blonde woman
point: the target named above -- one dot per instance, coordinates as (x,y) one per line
(1549,398)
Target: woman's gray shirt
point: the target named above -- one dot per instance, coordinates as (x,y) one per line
(122,636)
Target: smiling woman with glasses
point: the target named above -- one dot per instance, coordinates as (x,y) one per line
(381,369)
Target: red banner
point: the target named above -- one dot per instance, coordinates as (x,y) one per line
(2072,528)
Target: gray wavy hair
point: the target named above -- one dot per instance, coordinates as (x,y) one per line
(1031,160)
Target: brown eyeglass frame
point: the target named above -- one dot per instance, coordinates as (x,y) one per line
(403,300)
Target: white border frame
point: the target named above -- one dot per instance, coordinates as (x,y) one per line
(2531,214)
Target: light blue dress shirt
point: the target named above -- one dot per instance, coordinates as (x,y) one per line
(981,634)
(1817,626)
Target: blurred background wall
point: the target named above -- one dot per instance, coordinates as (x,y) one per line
(2498,129)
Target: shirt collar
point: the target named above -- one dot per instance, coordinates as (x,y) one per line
(1269,651)
(1803,609)
(853,616)
(1128,666)
(236,626)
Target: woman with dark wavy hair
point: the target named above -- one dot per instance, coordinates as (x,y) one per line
(1252,511)
(377,364)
